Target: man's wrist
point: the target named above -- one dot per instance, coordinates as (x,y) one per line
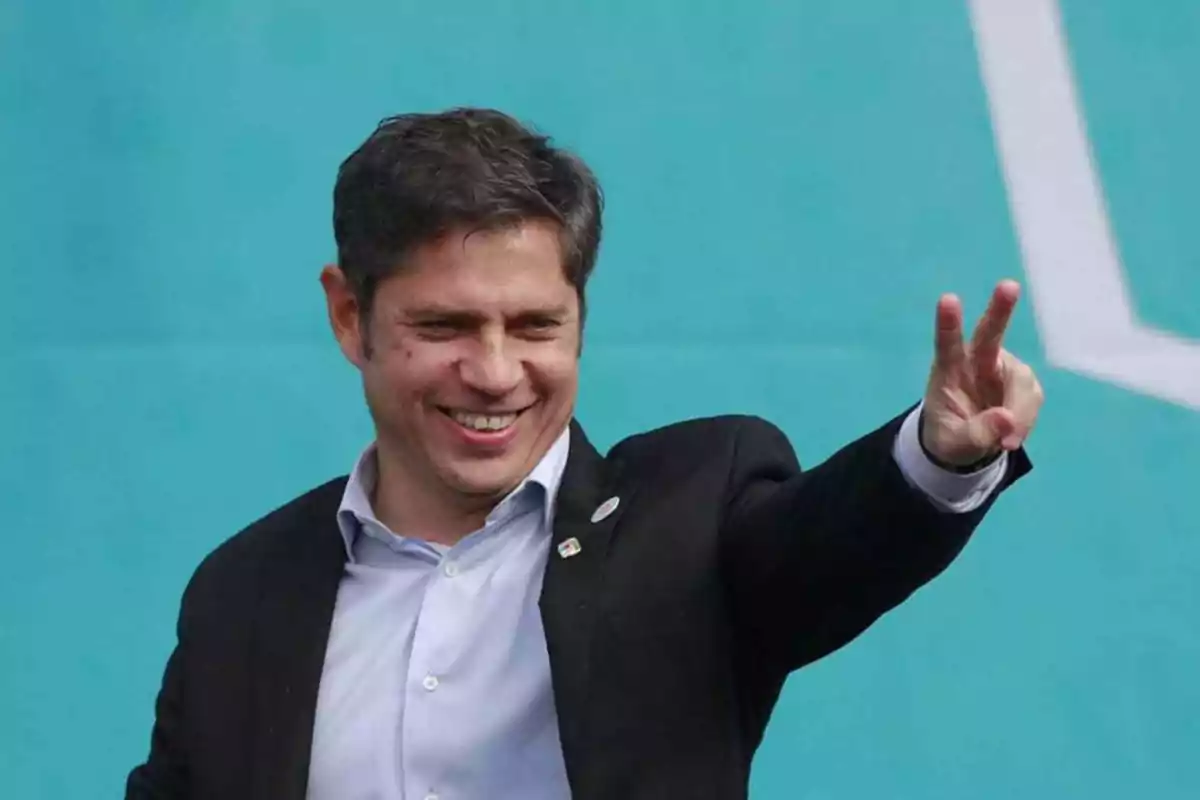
(946,486)
(959,469)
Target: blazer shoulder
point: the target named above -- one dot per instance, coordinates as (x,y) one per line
(233,562)
(724,437)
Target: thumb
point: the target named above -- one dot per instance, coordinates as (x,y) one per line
(988,429)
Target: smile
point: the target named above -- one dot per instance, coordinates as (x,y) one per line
(484,423)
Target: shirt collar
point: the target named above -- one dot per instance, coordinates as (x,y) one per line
(355,509)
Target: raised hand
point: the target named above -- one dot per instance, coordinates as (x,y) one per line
(980,399)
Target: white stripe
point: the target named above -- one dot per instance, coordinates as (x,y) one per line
(1081,302)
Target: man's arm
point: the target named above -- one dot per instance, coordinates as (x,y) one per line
(164,774)
(813,558)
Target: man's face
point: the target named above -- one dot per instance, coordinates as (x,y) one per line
(472,366)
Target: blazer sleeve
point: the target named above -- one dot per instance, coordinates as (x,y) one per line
(812,558)
(164,773)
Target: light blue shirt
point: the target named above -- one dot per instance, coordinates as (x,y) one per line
(436,683)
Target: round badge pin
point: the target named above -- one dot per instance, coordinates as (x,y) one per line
(606,508)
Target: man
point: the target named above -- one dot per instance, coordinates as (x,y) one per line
(487,607)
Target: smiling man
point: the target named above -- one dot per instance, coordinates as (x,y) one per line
(488,607)
(469,361)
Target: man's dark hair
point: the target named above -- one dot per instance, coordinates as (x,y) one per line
(419,176)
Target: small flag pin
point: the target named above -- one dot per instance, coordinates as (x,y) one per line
(569,547)
(606,508)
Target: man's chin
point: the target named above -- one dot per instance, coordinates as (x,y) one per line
(484,481)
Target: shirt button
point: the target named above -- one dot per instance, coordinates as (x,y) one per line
(430,682)
(451,569)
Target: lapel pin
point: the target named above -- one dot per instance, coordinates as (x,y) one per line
(569,547)
(606,508)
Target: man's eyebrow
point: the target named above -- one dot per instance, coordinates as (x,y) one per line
(557,311)
(450,313)
(440,312)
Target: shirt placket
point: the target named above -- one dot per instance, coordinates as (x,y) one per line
(437,638)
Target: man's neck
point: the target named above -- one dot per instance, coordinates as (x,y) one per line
(414,504)
(411,508)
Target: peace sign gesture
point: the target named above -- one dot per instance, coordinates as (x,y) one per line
(980,399)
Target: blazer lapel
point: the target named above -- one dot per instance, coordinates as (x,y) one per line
(572,580)
(294,614)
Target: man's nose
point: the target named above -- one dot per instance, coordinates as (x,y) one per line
(492,369)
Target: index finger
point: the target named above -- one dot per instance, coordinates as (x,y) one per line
(948,332)
(989,332)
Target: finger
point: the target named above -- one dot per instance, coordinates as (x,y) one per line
(994,378)
(989,333)
(1023,397)
(948,336)
(990,429)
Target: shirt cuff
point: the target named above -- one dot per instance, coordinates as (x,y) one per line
(950,491)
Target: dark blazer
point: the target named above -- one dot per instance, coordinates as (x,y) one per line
(670,634)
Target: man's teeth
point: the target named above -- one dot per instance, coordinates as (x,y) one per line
(483,422)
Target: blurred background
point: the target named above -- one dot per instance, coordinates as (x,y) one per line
(790,186)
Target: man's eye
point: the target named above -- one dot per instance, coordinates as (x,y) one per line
(539,328)
(437,331)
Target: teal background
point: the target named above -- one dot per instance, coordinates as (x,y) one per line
(790,187)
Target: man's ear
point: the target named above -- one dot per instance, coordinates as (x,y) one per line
(345,315)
